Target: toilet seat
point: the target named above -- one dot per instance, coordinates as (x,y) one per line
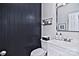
(38,52)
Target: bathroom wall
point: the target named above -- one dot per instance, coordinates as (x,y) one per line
(49,10)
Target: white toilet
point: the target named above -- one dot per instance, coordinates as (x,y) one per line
(40,51)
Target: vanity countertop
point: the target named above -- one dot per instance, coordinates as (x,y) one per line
(72,46)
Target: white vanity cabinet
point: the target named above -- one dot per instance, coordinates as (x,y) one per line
(54,50)
(60,48)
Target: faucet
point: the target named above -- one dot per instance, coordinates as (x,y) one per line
(68,40)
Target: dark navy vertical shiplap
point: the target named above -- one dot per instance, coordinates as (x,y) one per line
(20,28)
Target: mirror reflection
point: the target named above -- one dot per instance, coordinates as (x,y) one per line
(67,16)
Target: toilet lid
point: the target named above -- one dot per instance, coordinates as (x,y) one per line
(38,52)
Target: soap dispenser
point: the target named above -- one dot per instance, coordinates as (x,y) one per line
(60,36)
(56,36)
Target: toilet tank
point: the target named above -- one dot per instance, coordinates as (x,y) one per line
(44,44)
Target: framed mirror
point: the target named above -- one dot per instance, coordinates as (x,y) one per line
(67,17)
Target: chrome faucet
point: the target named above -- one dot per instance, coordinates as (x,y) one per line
(68,40)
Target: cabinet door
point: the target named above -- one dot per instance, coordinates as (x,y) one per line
(54,50)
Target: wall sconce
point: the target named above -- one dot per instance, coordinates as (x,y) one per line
(61,4)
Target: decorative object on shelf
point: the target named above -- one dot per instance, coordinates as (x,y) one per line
(47,21)
(62,26)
